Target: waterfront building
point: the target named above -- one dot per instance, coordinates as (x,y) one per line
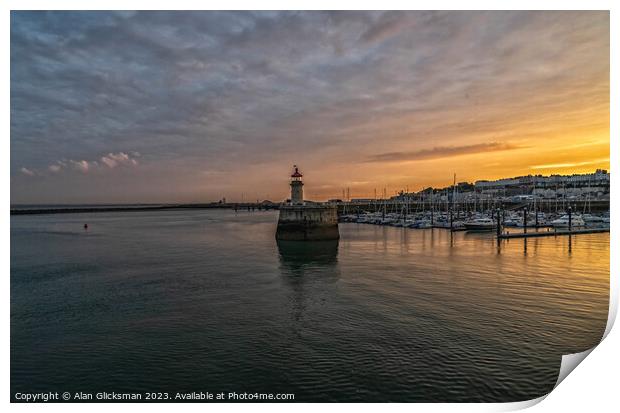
(592,186)
(599,179)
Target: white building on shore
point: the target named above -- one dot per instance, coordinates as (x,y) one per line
(577,185)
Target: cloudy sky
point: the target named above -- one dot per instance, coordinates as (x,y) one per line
(195,106)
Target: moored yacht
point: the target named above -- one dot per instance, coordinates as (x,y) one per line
(480,224)
(562,222)
(593,219)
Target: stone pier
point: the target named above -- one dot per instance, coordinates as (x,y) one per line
(306,221)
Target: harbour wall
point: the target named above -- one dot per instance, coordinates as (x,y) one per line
(308,223)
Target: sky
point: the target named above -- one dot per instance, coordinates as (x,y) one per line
(128,107)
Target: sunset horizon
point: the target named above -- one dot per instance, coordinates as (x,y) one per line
(197,107)
(353,190)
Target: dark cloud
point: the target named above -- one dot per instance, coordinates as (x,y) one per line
(443,152)
(195,91)
(388,25)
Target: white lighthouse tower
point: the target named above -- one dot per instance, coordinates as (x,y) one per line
(306,221)
(297,187)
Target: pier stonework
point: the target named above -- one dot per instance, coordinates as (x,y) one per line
(306,221)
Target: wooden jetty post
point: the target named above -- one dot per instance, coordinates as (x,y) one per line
(499,225)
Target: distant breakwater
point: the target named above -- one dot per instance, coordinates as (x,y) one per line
(121,208)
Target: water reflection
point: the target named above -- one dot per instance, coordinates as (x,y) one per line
(365,320)
(298,256)
(310,269)
(535,243)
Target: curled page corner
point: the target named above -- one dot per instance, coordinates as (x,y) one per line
(569,362)
(613,306)
(513,406)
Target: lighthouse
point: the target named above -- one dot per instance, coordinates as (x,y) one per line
(297,187)
(306,220)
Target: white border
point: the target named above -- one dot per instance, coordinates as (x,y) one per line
(593,386)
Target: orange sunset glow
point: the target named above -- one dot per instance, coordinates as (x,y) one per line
(365,101)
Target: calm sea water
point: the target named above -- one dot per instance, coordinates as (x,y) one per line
(206,300)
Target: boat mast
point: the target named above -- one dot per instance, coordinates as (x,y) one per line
(454,192)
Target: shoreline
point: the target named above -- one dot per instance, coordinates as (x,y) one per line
(343,207)
(87,209)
